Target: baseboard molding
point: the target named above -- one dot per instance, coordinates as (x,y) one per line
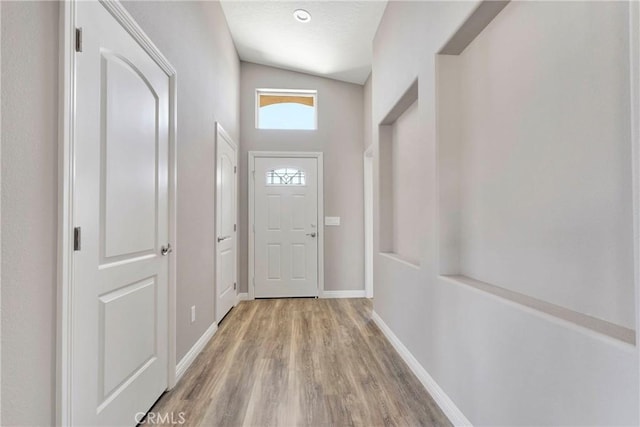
(242,296)
(344,294)
(191,355)
(445,403)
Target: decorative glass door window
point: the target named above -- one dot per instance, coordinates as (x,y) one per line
(286,109)
(286,176)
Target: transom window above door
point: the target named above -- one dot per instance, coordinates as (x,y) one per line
(286,109)
(286,176)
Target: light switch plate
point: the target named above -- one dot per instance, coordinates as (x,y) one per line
(332,220)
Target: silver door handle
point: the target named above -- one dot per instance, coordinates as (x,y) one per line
(311,234)
(166,250)
(220,239)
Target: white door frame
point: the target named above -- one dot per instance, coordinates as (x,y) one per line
(368,221)
(66,166)
(250,225)
(0,223)
(221,133)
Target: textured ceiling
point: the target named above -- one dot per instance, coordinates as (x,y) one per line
(335,44)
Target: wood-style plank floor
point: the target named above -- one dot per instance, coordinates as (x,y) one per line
(290,362)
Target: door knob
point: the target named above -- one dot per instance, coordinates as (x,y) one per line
(311,234)
(166,250)
(220,239)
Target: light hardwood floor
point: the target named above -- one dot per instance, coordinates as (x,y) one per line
(288,362)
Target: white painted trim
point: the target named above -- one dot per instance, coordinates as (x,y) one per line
(126,20)
(320,223)
(222,134)
(173,227)
(0,223)
(368,220)
(194,351)
(445,403)
(272,91)
(360,293)
(66,113)
(295,154)
(66,157)
(242,296)
(250,227)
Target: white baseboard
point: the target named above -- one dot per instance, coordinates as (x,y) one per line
(242,296)
(344,294)
(191,355)
(445,403)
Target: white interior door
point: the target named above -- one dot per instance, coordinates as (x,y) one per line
(226,205)
(286,227)
(120,203)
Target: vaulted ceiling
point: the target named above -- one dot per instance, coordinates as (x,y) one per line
(335,43)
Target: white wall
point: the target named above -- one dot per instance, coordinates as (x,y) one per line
(546,197)
(0,219)
(195,38)
(406,176)
(367,113)
(29,210)
(340,137)
(501,363)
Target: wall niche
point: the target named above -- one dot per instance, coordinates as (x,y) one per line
(535,188)
(401,198)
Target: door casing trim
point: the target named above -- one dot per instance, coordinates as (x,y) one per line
(66,184)
(368,159)
(250,230)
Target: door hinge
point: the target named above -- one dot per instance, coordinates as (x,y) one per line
(234,286)
(235,169)
(254,282)
(78,39)
(235,228)
(254,228)
(254,174)
(77,239)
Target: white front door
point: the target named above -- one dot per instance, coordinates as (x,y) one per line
(226,202)
(120,203)
(286,227)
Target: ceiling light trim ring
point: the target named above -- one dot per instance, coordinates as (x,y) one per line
(302,15)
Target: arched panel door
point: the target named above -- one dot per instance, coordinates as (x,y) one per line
(120,202)
(226,225)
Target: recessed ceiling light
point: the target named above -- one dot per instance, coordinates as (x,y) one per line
(302,15)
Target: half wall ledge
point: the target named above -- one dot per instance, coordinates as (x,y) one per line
(594,324)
